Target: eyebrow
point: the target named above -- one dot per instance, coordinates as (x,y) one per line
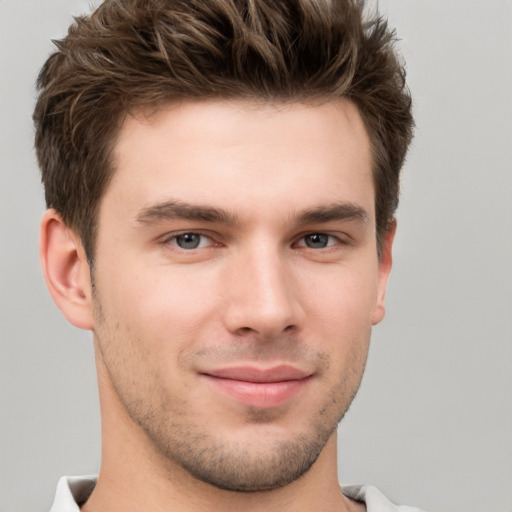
(172,210)
(333,212)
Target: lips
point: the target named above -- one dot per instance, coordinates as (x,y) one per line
(259,387)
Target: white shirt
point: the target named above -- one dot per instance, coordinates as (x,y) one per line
(72,491)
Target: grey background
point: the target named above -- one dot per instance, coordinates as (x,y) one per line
(432,425)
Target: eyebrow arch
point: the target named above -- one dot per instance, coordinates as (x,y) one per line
(172,210)
(333,212)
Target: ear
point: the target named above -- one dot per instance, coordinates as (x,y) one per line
(385,264)
(66,270)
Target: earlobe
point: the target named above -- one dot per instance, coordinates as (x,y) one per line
(385,264)
(66,270)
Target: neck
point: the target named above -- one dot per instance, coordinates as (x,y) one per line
(134,476)
(124,486)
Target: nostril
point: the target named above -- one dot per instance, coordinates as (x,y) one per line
(245,330)
(248,331)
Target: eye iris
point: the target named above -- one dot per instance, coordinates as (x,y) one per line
(188,240)
(317,240)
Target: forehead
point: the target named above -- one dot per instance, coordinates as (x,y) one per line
(241,153)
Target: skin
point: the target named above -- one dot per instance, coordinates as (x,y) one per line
(285,273)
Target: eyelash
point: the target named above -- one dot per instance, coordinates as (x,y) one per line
(317,234)
(301,241)
(172,239)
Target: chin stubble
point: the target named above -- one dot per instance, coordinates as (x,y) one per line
(258,465)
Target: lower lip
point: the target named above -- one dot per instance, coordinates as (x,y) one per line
(259,394)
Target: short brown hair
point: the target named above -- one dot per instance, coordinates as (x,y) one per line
(136,53)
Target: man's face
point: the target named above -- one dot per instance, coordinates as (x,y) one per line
(236,283)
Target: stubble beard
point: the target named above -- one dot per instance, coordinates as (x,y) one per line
(255,466)
(259,466)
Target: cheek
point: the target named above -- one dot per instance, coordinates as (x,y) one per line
(156,318)
(346,300)
(160,296)
(344,308)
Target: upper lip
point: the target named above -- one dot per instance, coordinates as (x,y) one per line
(278,373)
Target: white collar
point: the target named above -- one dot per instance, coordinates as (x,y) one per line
(73,491)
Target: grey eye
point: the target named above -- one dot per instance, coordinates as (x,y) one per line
(188,240)
(316,240)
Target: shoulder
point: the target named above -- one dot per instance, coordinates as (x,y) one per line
(72,491)
(375,501)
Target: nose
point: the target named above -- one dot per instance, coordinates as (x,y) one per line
(261,296)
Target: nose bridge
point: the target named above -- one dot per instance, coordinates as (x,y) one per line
(262,296)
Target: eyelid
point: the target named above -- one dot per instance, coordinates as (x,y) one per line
(168,238)
(341,238)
